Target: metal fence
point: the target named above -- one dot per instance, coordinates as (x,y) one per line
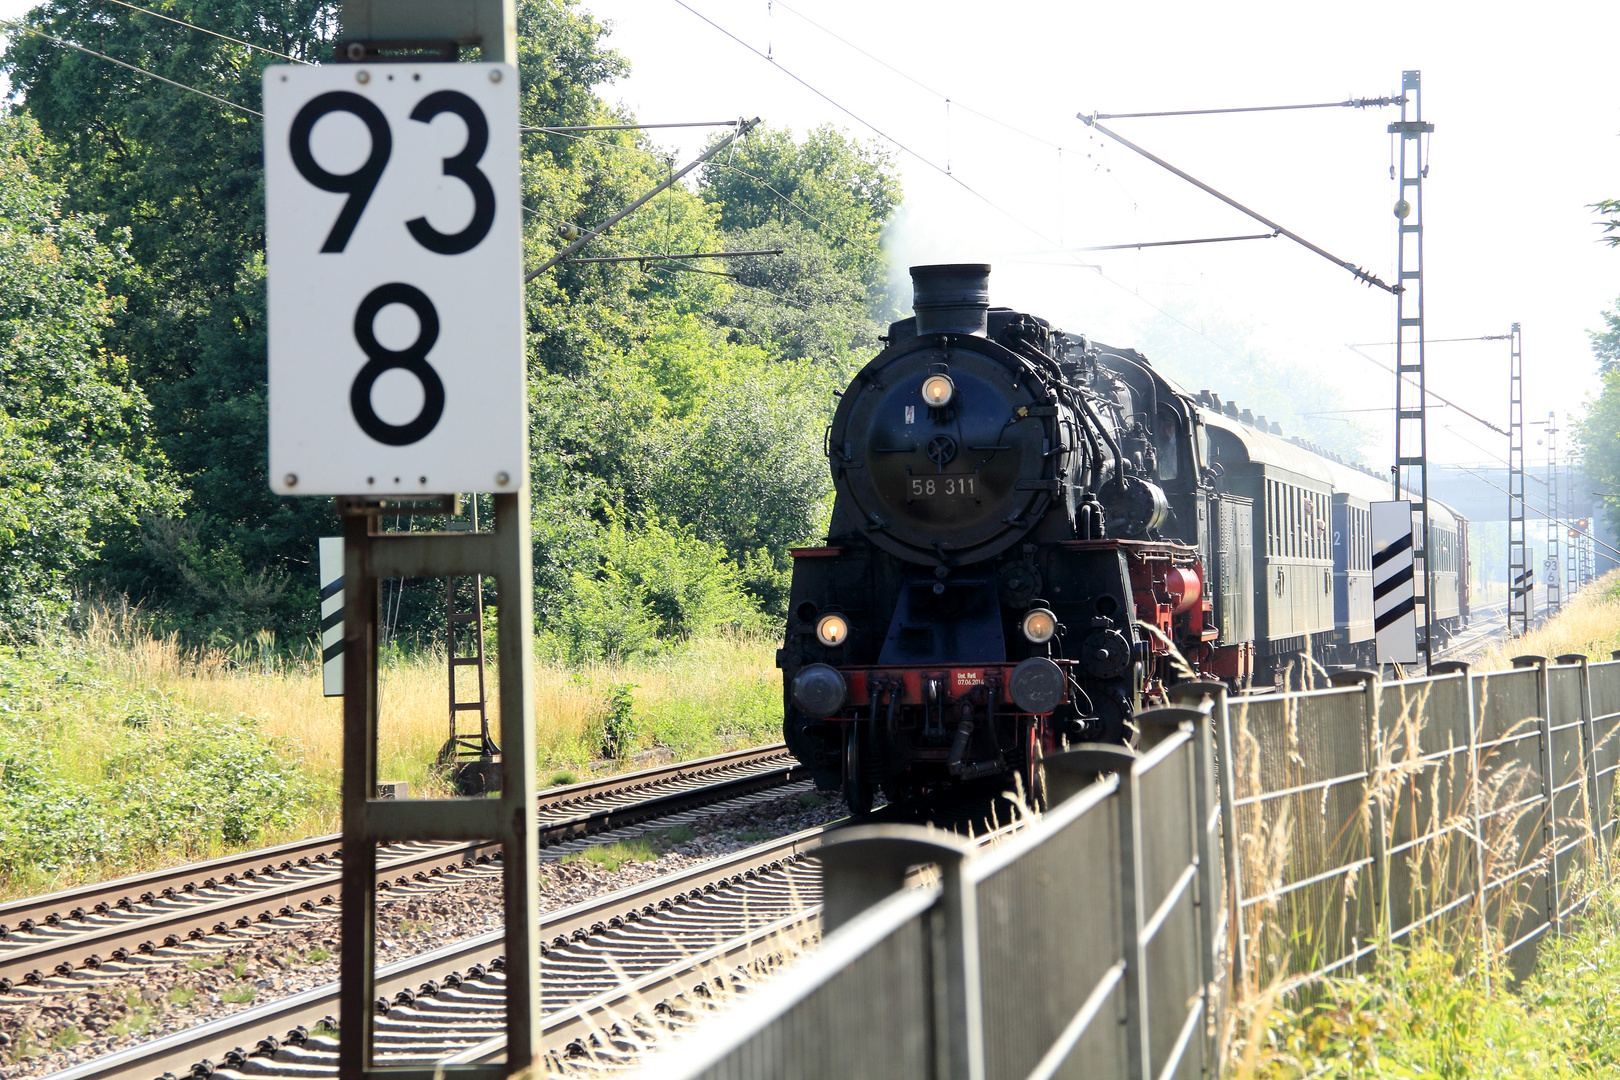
(1103,939)
(1470,804)
(1083,945)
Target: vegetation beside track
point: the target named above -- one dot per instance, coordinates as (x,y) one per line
(121,750)
(1422,1013)
(1437,1009)
(1589,623)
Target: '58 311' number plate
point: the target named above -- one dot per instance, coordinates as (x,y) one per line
(926,487)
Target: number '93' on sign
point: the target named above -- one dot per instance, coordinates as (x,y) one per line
(393,247)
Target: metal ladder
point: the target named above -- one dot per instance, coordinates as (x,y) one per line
(471,758)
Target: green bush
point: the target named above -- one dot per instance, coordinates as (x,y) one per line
(652,586)
(619,721)
(93,773)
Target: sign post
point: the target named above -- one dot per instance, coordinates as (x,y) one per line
(393,245)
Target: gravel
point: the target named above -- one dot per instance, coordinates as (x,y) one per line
(76,1019)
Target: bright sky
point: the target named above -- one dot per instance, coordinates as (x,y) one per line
(1523,98)
(1524,101)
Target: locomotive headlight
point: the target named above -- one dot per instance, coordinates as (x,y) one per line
(937,391)
(1039,626)
(833,630)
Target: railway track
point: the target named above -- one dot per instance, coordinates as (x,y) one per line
(639,952)
(115,922)
(1486,623)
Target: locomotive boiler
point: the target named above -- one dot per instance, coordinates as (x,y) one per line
(1014,556)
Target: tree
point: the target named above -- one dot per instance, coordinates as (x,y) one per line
(1611,227)
(76,457)
(1606,342)
(1597,432)
(842,191)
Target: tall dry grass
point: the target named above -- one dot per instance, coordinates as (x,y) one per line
(1413,931)
(1589,623)
(76,710)
(705,696)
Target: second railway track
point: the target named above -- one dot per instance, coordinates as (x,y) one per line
(611,963)
(91,925)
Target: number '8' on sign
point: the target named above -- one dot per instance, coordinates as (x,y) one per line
(393,235)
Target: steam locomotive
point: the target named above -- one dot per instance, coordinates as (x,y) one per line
(1035,534)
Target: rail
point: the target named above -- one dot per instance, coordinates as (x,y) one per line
(113,921)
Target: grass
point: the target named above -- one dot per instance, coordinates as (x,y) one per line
(645,848)
(182,995)
(1588,623)
(1444,1004)
(105,734)
(240,994)
(1429,1012)
(318,955)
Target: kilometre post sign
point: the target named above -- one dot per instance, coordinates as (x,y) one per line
(393,248)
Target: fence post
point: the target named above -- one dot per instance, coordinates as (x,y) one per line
(861,866)
(1594,814)
(1207,696)
(1549,820)
(1067,774)
(1372,752)
(1226,790)
(1463,668)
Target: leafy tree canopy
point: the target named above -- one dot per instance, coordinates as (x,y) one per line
(1597,432)
(672,399)
(76,456)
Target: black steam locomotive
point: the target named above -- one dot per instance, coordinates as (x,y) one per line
(1035,534)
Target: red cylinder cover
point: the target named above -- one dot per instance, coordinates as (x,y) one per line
(1184,588)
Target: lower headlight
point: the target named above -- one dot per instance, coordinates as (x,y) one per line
(818,691)
(1037,685)
(833,630)
(1039,626)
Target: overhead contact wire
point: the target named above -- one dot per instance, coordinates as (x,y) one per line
(1356,271)
(1032,230)
(210,33)
(132,67)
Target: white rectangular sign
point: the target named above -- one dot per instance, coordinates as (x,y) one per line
(393,240)
(1394,585)
(331,595)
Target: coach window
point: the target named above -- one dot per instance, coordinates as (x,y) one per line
(1271,518)
(1293,521)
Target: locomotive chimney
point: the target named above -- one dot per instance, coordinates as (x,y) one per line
(951,298)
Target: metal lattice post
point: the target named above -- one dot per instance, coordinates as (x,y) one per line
(1572,577)
(1521,575)
(1555,593)
(1411,416)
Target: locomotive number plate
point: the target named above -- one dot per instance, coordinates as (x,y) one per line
(928,487)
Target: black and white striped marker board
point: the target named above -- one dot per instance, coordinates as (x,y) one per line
(332,616)
(1394,584)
